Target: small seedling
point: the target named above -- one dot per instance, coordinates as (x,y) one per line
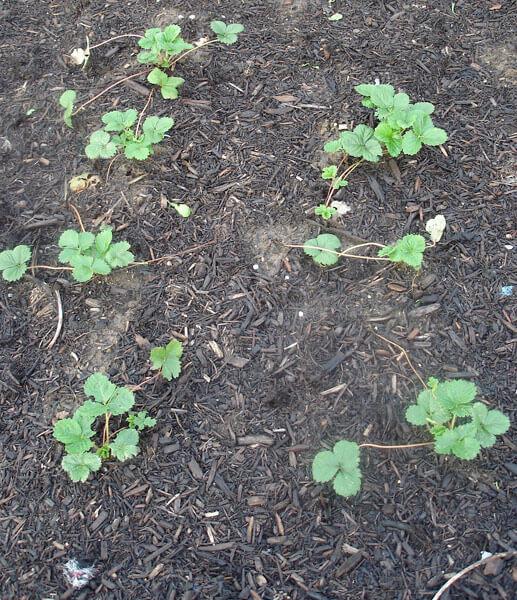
(227,34)
(459,427)
(408,250)
(82,456)
(323,249)
(66,100)
(168,359)
(139,147)
(14,263)
(160,45)
(183,210)
(91,254)
(169,86)
(325,212)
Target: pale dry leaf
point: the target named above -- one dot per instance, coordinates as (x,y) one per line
(79,57)
(341,207)
(435,228)
(82,182)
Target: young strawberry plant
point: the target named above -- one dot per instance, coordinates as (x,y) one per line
(459,427)
(167,359)
(120,125)
(402,128)
(14,263)
(82,455)
(90,254)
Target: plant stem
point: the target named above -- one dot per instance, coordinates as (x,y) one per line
(77,216)
(110,87)
(139,386)
(51,268)
(182,56)
(106,432)
(343,175)
(142,112)
(396,446)
(117,37)
(406,356)
(344,253)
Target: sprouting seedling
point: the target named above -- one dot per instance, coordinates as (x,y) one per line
(408,250)
(325,212)
(159,46)
(169,86)
(91,254)
(135,146)
(227,34)
(67,100)
(167,359)
(77,433)
(183,210)
(330,172)
(323,249)
(14,263)
(458,425)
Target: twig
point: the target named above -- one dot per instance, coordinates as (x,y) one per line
(142,112)
(117,37)
(59,320)
(182,56)
(396,446)
(105,90)
(110,165)
(139,386)
(471,567)
(77,216)
(406,357)
(51,268)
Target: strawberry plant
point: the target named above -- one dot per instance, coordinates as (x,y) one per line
(82,455)
(90,254)
(459,427)
(66,100)
(167,359)
(14,263)
(120,124)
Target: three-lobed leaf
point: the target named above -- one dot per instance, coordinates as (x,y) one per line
(460,441)
(14,263)
(100,146)
(75,433)
(125,444)
(118,121)
(340,465)
(361,143)
(67,100)
(168,359)
(154,128)
(323,249)
(408,250)
(227,34)
(79,466)
(325,212)
(488,424)
(457,396)
(140,420)
(74,243)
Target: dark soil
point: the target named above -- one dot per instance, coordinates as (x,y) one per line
(220,502)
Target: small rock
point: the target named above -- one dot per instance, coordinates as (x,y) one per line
(5,146)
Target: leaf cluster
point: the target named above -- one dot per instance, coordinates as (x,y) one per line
(118,133)
(459,425)
(160,45)
(408,250)
(167,359)
(14,263)
(106,399)
(91,254)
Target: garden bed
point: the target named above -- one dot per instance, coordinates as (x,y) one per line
(281,356)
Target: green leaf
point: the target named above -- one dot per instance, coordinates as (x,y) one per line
(427,409)
(125,445)
(348,454)
(103,240)
(434,136)
(154,128)
(67,100)
(182,209)
(459,441)
(339,183)
(325,212)
(172,42)
(157,77)
(365,89)
(141,420)
(488,424)
(170,90)
(74,243)
(382,95)
(329,172)
(457,396)
(408,250)
(361,143)
(416,414)
(100,145)
(152,38)
(332,146)
(325,465)
(117,120)
(85,267)
(90,409)
(323,249)
(411,144)
(137,149)
(14,263)
(99,387)
(79,466)
(118,255)
(391,138)
(424,108)
(75,434)
(121,402)
(167,358)
(227,34)
(347,483)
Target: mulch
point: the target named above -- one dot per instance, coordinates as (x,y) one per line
(281,357)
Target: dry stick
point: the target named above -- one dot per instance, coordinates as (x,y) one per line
(117,37)
(139,386)
(59,320)
(77,216)
(104,91)
(406,356)
(471,567)
(142,112)
(182,56)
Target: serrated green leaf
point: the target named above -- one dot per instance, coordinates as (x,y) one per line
(138,149)
(332,146)
(339,183)
(157,77)
(99,386)
(434,136)
(141,420)
(416,414)
(325,212)
(67,100)
(79,466)
(103,240)
(125,445)
(168,359)
(409,250)
(117,120)
(14,263)
(347,453)
(459,441)
(325,465)
(382,95)
(411,144)
(365,89)
(118,255)
(75,434)
(182,209)
(329,172)
(121,402)
(154,128)
(170,90)
(90,409)
(391,138)
(100,145)
(82,267)
(74,243)
(347,483)
(457,396)
(361,143)
(488,424)
(323,249)
(227,34)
